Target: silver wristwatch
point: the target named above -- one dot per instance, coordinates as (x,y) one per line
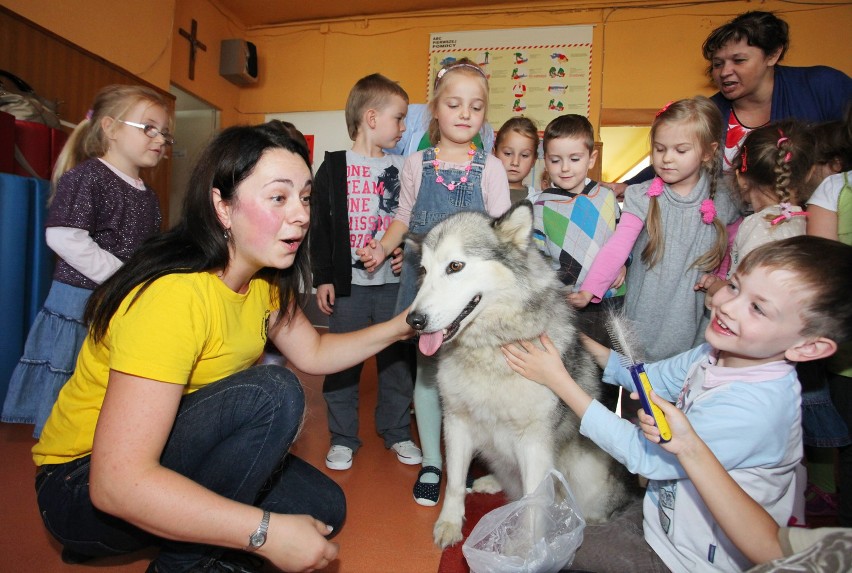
(258,538)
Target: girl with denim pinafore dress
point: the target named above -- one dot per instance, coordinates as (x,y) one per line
(435,203)
(451,177)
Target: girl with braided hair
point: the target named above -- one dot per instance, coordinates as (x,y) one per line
(772,174)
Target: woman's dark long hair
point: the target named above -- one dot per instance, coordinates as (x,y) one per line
(198,242)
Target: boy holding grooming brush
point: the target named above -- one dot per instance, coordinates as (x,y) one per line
(787,303)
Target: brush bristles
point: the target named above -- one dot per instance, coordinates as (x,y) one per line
(620,335)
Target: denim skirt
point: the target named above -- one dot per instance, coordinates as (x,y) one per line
(50,354)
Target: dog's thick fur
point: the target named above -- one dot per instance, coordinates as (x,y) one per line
(486,285)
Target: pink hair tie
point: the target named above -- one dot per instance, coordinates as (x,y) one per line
(708,211)
(656,187)
(787,213)
(89,114)
(743,157)
(784,139)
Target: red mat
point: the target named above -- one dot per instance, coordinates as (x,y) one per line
(475,506)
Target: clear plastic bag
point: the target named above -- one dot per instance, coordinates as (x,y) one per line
(539,533)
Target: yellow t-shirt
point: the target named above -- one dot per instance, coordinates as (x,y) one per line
(188,329)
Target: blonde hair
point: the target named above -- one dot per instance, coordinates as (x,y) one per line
(703,118)
(778,158)
(89,139)
(370,92)
(521,125)
(464,66)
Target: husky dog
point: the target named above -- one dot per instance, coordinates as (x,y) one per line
(485,284)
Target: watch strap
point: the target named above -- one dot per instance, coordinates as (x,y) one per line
(258,537)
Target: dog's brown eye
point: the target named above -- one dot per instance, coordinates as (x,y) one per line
(455,267)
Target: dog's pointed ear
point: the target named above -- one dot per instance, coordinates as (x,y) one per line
(515,226)
(414,243)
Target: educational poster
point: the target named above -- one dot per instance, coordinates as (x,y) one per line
(536,72)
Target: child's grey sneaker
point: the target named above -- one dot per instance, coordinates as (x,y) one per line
(339,458)
(407,452)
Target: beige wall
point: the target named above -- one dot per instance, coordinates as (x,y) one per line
(643,57)
(136,36)
(213,27)
(142,37)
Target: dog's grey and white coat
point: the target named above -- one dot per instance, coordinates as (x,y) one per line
(485,285)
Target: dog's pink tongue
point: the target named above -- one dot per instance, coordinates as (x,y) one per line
(430,342)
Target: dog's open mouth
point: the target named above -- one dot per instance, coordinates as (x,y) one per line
(430,342)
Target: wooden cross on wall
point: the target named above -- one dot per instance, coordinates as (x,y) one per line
(194,45)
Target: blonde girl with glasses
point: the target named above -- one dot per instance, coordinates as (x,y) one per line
(100,211)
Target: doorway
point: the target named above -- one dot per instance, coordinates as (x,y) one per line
(196,122)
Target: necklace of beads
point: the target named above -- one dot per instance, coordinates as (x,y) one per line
(453,184)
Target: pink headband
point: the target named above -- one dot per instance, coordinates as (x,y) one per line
(663,109)
(443,71)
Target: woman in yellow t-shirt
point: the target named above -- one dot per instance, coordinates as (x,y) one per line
(168,432)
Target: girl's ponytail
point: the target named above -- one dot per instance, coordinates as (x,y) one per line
(653,251)
(73,153)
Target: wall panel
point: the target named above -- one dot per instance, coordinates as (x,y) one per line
(62,71)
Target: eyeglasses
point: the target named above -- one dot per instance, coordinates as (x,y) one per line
(151,131)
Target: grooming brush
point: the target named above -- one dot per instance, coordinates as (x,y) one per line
(618,334)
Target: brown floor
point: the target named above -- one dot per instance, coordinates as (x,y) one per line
(385,532)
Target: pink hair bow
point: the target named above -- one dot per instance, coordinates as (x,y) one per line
(708,211)
(656,187)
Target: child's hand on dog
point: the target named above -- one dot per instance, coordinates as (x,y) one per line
(539,363)
(543,364)
(580,299)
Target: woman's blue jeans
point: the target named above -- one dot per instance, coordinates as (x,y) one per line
(232,437)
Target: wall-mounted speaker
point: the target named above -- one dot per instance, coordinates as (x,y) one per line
(238,62)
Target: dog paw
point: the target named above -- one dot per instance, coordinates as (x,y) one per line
(487,484)
(447,533)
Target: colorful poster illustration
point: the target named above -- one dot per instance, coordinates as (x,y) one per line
(537,72)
